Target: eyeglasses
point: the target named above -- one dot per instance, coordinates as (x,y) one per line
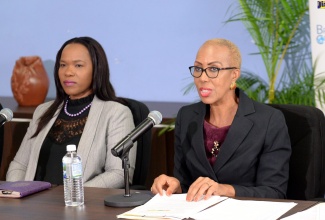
(212,72)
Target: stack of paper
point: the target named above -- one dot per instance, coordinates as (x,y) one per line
(170,207)
(245,209)
(316,212)
(216,207)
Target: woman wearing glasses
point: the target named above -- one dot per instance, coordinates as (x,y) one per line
(227,144)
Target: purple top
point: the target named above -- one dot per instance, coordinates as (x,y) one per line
(213,139)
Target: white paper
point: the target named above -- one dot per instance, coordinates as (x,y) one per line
(316,212)
(245,209)
(172,207)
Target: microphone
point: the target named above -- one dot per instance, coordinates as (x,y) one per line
(5,115)
(121,150)
(126,143)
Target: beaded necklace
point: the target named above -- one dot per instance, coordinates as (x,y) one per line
(215,149)
(76,114)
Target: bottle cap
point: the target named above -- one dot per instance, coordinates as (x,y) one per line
(71,147)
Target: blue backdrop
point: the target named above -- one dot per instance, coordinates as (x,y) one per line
(149,43)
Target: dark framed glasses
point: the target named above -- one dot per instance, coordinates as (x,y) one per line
(212,72)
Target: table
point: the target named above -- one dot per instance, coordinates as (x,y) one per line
(49,204)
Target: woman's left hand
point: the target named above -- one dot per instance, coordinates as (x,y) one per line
(206,187)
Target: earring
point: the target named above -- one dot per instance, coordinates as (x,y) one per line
(233,86)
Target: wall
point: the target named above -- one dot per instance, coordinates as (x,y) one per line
(149,43)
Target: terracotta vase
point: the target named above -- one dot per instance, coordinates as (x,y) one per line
(29,81)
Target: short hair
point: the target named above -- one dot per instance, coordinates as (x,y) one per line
(233,49)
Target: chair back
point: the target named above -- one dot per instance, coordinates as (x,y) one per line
(306,126)
(140,112)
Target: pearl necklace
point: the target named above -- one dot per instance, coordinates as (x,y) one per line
(76,114)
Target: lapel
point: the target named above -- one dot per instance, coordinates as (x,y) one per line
(43,133)
(197,140)
(88,134)
(39,139)
(238,131)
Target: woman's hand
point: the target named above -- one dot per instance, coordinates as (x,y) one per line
(169,184)
(204,186)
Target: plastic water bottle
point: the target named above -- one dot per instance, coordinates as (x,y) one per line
(72,178)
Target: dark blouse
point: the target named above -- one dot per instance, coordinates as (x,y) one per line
(65,130)
(213,138)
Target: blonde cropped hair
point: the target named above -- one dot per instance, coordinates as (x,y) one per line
(235,56)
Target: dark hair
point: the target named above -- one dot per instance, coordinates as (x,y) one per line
(101,85)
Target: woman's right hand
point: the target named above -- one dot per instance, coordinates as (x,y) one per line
(169,184)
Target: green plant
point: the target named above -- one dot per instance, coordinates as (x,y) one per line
(280,30)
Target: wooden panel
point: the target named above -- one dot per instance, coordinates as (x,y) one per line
(14,133)
(162,155)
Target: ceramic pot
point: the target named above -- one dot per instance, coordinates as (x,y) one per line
(29,81)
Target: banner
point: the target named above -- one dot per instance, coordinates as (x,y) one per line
(317,37)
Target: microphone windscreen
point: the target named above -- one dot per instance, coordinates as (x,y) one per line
(6,112)
(156,117)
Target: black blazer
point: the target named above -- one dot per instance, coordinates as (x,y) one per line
(254,158)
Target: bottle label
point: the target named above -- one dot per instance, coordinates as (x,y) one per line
(64,170)
(76,169)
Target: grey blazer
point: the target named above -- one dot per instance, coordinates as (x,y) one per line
(108,122)
(254,157)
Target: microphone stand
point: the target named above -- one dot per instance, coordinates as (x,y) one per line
(128,199)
